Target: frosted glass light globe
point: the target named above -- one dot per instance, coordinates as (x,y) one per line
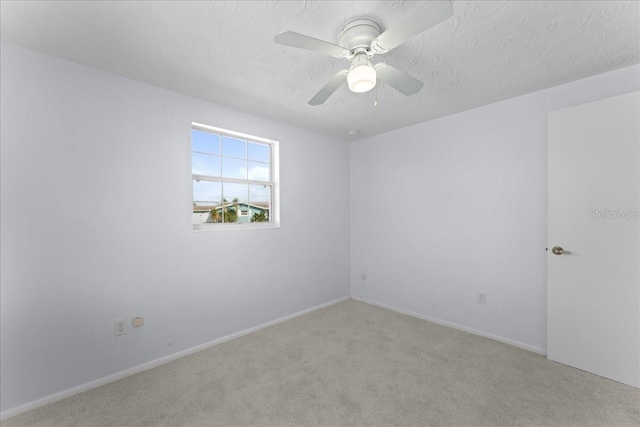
(361,78)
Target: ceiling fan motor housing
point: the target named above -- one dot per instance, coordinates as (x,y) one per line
(358,35)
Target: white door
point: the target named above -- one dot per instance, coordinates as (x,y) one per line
(593,300)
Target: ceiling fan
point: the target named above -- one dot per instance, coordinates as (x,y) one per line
(360,40)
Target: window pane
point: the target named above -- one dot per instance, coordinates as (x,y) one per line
(234,168)
(206,192)
(259,152)
(258,171)
(205,164)
(232,147)
(207,197)
(205,142)
(260,203)
(235,205)
(259,193)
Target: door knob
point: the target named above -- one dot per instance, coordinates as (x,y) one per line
(557,250)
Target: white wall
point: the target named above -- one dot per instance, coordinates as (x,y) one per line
(77,140)
(448,208)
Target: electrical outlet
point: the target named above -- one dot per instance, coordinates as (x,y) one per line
(482,298)
(120,327)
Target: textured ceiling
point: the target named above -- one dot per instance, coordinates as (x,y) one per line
(224,52)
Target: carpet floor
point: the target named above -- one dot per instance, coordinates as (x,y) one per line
(352,364)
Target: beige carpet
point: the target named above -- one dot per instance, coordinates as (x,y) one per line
(352,364)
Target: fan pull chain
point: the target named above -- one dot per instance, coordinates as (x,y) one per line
(375,104)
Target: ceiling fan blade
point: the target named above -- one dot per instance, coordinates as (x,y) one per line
(290,38)
(328,89)
(432,13)
(395,78)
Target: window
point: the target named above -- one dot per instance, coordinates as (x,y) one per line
(234,179)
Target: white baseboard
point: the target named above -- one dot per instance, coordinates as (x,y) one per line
(455,326)
(9,413)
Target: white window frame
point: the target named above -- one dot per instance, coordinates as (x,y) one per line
(274,212)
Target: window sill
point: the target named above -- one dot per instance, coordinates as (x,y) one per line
(235,226)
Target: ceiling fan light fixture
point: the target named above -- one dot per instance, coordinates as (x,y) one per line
(360,40)
(362,76)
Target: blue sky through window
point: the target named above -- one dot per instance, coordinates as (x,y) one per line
(205,142)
